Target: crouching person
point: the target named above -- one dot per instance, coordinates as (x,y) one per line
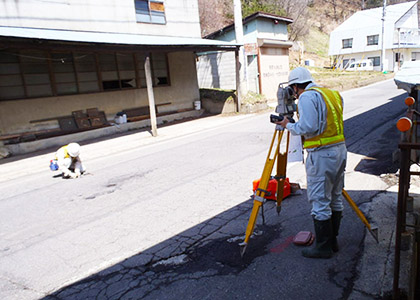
(67,160)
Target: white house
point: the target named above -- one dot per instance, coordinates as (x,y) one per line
(60,58)
(266,47)
(360,37)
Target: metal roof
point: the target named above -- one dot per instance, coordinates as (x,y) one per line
(373,17)
(248,19)
(110,38)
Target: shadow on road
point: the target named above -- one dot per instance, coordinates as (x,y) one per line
(204,261)
(366,135)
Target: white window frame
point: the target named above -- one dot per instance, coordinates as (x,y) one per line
(373,39)
(347,43)
(150,11)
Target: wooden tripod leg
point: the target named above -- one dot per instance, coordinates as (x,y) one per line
(281,173)
(261,190)
(373,230)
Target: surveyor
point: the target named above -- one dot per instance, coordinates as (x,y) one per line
(67,160)
(320,124)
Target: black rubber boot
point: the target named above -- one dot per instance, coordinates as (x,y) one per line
(322,249)
(335,219)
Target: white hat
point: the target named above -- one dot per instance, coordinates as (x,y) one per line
(73,149)
(300,75)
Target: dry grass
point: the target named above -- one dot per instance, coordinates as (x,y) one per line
(345,80)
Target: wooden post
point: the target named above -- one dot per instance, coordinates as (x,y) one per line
(150,94)
(238,81)
(239,36)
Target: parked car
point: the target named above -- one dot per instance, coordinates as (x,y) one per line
(360,65)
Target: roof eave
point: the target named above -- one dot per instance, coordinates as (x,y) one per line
(246,21)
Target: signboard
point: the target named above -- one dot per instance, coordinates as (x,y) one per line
(251,49)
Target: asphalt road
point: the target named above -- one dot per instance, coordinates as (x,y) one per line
(163,220)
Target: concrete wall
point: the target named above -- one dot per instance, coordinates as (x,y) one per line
(267,29)
(217,70)
(182,17)
(258,28)
(15,116)
(274,69)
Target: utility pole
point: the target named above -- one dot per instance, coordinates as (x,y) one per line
(383,38)
(239,33)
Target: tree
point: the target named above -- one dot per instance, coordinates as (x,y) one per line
(294,9)
(268,6)
(213,15)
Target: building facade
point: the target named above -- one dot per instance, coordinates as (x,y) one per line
(364,35)
(62,57)
(266,47)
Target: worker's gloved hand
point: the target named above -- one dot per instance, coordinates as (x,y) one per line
(77,173)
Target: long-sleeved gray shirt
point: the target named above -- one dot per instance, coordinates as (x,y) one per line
(312,115)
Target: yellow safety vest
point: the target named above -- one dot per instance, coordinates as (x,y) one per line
(66,153)
(334,131)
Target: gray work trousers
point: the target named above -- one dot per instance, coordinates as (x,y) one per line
(325,178)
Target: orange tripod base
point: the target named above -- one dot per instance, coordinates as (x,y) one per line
(272,188)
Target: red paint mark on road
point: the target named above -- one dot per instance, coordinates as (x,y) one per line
(280,248)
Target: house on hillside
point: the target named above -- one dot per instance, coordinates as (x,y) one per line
(266,48)
(360,37)
(69,66)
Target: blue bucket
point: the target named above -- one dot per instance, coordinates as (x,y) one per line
(53,165)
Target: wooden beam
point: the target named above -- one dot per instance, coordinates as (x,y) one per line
(150,94)
(238,81)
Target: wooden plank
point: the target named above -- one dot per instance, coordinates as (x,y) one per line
(50,119)
(162,104)
(78,114)
(83,122)
(92,112)
(67,123)
(138,118)
(9,136)
(137,111)
(99,120)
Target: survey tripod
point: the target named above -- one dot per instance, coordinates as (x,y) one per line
(261,192)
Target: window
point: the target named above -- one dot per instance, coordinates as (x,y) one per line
(126,70)
(347,43)
(373,39)
(34,73)
(150,11)
(375,60)
(11,79)
(64,73)
(415,56)
(87,76)
(159,66)
(346,63)
(160,69)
